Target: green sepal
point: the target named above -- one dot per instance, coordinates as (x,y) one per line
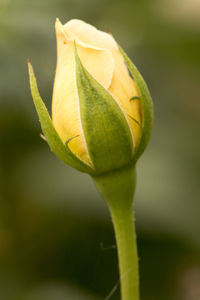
(51,136)
(106,130)
(147,105)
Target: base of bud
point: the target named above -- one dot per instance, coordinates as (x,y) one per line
(117,186)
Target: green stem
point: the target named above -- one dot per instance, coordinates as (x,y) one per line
(127,251)
(117,188)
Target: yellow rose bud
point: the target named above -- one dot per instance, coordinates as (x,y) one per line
(101,57)
(102,112)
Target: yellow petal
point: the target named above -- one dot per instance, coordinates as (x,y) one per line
(123,88)
(99,63)
(88,35)
(90,42)
(65,106)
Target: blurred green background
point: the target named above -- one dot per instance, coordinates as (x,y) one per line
(56,237)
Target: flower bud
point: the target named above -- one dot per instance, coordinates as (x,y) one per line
(100,56)
(101,107)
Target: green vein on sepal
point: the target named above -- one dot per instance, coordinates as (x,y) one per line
(106,130)
(71,153)
(135,98)
(136,121)
(69,139)
(50,134)
(147,104)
